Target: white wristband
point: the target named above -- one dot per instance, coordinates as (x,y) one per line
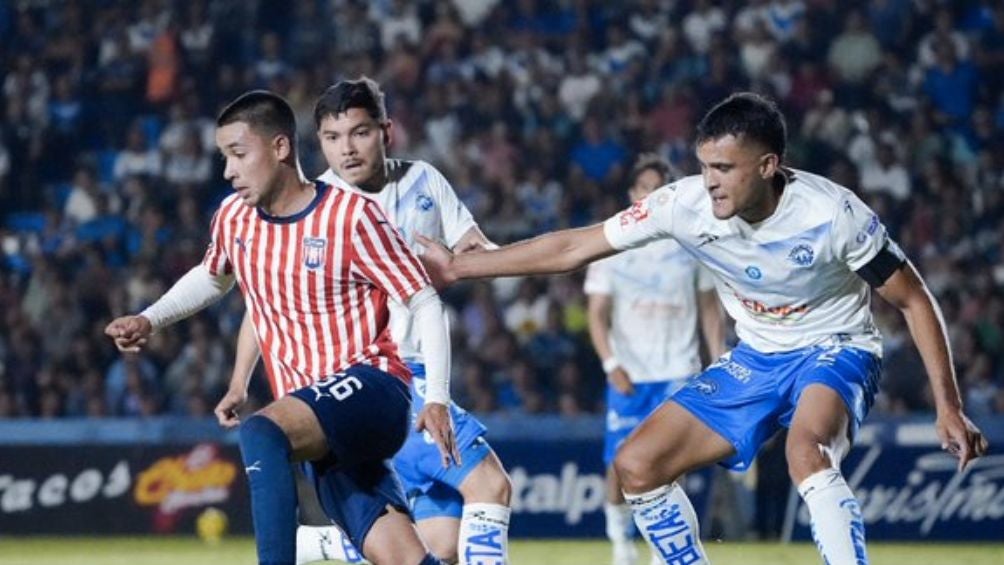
(610,363)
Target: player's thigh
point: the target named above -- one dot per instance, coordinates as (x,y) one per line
(300,424)
(393,540)
(818,437)
(441,533)
(487,482)
(670,442)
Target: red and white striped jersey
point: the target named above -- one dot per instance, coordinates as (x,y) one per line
(316,284)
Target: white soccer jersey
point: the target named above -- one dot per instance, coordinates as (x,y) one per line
(653,323)
(788,281)
(419,201)
(316,284)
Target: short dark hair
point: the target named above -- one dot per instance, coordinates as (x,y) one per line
(650,162)
(263,111)
(363,92)
(748,116)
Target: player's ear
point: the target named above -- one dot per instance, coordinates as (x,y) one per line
(769,165)
(282,146)
(388,132)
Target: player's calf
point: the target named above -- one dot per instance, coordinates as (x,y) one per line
(266,451)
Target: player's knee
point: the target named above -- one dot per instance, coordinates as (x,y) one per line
(444,549)
(636,473)
(805,457)
(498,488)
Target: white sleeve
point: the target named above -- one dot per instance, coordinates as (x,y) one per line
(647,220)
(193,292)
(598,279)
(456,218)
(858,234)
(705,280)
(429,320)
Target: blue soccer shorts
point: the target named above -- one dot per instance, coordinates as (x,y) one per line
(364,415)
(747,396)
(626,412)
(431,489)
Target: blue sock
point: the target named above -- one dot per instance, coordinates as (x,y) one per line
(430,560)
(266,452)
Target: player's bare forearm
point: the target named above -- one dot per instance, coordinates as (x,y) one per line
(599,324)
(246,356)
(712,323)
(906,291)
(552,253)
(473,240)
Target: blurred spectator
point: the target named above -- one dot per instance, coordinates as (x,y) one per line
(107,182)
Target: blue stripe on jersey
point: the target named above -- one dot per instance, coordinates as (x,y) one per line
(811,234)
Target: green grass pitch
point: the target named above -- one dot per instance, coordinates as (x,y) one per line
(240,551)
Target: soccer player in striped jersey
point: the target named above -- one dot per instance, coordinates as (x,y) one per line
(462,512)
(795,258)
(644,309)
(316,263)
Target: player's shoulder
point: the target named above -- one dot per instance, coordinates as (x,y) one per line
(688,193)
(231,205)
(812,190)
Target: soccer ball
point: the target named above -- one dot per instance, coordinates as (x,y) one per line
(211,525)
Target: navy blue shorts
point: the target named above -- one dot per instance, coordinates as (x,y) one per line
(363,412)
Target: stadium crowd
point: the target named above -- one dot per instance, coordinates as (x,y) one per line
(533,109)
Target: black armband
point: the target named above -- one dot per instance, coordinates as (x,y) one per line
(889,260)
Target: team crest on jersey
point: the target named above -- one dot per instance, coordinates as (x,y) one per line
(313,252)
(802,255)
(754,272)
(704,386)
(424,202)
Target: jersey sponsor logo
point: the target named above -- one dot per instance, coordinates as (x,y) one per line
(313,252)
(424,203)
(782,313)
(635,214)
(802,255)
(754,272)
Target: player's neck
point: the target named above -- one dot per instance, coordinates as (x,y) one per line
(767,204)
(293,196)
(375,183)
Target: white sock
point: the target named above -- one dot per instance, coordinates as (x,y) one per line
(837,526)
(620,531)
(667,521)
(484,535)
(324,543)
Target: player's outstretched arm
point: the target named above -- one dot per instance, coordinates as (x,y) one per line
(245,360)
(473,240)
(194,291)
(431,322)
(555,252)
(906,291)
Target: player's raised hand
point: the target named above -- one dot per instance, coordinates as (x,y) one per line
(620,380)
(226,409)
(438,261)
(435,419)
(130,333)
(960,437)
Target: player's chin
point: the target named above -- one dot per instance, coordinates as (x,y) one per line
(722,209)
